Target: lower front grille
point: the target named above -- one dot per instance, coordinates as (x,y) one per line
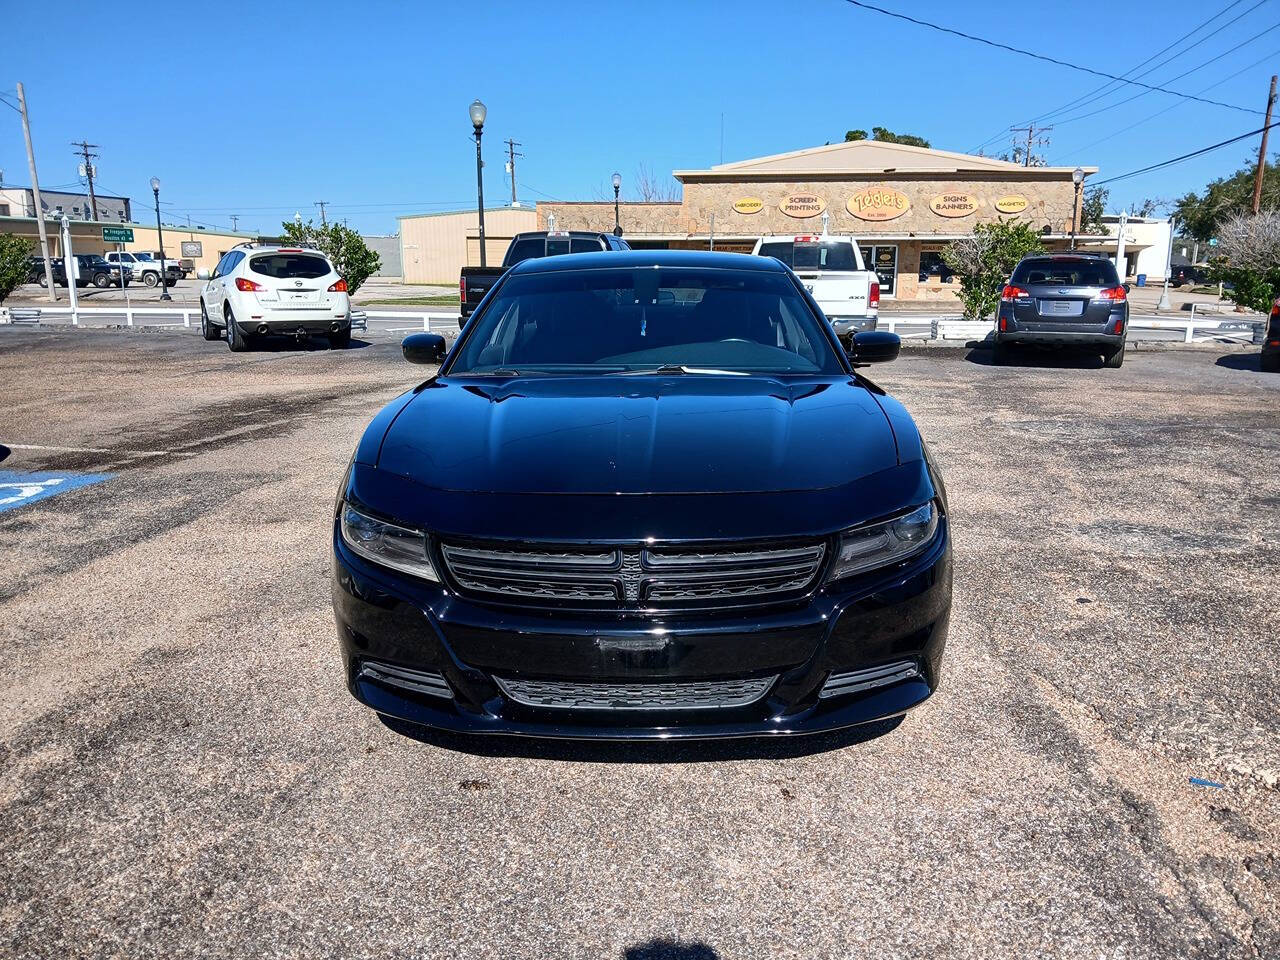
(839,684)
(693,695)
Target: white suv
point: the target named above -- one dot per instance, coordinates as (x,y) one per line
(258,289)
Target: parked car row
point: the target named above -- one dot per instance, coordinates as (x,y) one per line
(91,269)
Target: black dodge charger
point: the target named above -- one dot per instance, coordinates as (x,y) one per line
(647,495)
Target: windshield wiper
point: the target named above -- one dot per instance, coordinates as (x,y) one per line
(679,368)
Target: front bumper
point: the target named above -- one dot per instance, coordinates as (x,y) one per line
(887,617)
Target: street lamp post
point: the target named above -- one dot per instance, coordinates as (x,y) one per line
(478,113)
(1164,304)
(1077,177)
(617,185)
(164,272)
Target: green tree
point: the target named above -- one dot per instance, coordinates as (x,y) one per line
(985,259)
(351,257)
(1202,213)
(886,136)
(14,255)
(1092,207)
(1248,259)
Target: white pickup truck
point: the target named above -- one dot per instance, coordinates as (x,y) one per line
(831,269)
(146,267)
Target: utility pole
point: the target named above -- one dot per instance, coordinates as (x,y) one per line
(235,221)
(1035,137)
(88,171)
(511,166)
(321,204)
(1262,149)
(35,194)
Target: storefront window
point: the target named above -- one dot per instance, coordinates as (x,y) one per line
(932,267)
(884,261)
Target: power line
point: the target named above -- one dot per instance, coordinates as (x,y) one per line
(1040,56)
(1173,106)
(1185,156)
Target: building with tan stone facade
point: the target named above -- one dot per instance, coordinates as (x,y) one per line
(903,203)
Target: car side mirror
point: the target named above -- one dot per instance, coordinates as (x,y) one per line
(873,346)
(203,275)
(1128,287)
(423,348)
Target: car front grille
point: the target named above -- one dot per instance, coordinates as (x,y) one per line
(641,577)
(695,695)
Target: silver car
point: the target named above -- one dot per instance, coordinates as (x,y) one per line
(1064,300)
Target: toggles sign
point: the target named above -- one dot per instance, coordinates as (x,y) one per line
(878,203)
(802,205)
(954,204)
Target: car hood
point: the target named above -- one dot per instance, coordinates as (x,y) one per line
(637,435)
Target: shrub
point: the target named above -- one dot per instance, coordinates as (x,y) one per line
(14,254)
(1248,258)
(983,261)
(351,257)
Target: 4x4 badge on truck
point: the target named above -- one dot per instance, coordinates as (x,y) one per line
(631,575)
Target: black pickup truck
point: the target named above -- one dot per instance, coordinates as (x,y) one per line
(476,281)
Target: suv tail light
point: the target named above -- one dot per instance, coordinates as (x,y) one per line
(339,287)
(1010,292)
(462,290)
(873,296)
(1275,308)
(248,286)
(1113,293)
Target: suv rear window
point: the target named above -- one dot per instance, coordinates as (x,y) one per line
(828,255)
(287,266)
(1067,272)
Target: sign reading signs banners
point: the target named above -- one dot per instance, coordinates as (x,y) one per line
(878,203)
(954,204)
(748,205)
(802,205)
(1013,203)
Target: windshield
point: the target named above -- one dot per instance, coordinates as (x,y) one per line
(645,318)
(1067,272)
(827,255)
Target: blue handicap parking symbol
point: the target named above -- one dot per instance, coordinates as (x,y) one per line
(19,489)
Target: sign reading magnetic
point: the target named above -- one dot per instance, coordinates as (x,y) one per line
(748,205)
(954,204)
(1013,203)
(802,205)
(117,234)
(878,203)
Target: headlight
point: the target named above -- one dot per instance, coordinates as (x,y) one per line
(387,544)
(880,544)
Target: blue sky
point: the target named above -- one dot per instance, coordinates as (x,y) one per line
(267,107)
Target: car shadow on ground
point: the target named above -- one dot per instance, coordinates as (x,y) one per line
(293,344)
(669,751)
(1063,359)
(1251,362)
(664,949)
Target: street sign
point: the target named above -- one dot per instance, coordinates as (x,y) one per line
(117,234)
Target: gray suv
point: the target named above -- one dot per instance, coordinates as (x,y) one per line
(1064,300)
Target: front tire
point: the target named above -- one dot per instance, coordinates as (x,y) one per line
(341,340)
(207,329)
(101,281)
(235,339)
(1115,359)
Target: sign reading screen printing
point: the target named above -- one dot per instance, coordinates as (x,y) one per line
(802,205)
(954,204)
(878,203)
(748,205)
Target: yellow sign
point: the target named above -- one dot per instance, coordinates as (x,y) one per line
(954,204)
(748,205)
(1013,203)
(802,205)
(878,203)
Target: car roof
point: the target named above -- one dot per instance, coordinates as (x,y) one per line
(649,258)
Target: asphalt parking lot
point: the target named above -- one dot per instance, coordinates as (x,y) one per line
(184,773)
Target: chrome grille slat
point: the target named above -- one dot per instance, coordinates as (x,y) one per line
(681,695)
(639,576)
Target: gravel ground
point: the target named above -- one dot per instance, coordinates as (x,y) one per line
(182,772)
